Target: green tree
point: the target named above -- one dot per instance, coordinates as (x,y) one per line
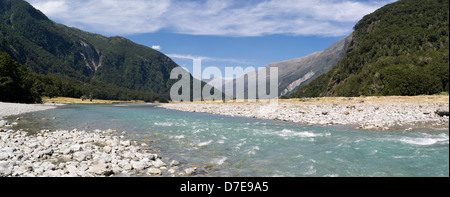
(16,82)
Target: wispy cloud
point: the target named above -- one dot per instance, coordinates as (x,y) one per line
(191,57)
(212,17)
(211,59)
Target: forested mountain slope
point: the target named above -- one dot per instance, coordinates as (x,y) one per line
(400,49)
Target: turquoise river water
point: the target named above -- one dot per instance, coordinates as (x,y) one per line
(250,147)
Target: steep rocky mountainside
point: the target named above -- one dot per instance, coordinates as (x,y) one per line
(299,71)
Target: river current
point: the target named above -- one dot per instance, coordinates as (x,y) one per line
(233,146)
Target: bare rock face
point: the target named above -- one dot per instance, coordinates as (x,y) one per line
(90,57)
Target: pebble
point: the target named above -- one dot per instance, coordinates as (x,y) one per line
(190,171)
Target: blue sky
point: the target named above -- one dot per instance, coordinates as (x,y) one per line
(221,32)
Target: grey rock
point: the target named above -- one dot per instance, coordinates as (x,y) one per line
(48,143)
(201,171)
(138,165)
(149,156)
(190,171)
(72,169)
(38,154)
(127,166)
(48,152)
(65,150)
(33,145)
(75,148)
(116,169)
(111,143)
(47,166)
(154,172)
(9,150)
(158,163)
(82,155)
(123,162)
(101,169)
(128,154)
(6,171)
(103,158)
(174,163)
(125,143)
(4,156)
(2,123)
(442,112)
(52,173)
(4,164)
(107,149)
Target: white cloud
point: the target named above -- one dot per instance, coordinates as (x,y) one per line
(51,7)
(212,17)
(203,58)
(191,57)
(107,16)
(156,47)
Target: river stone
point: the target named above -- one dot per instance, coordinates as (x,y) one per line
(442,112)
(4,156)
(154,172)
(158,163)
(190,171)
(2,123)
(75,148)
(48,152)
(6,171)
(125,143)
(82,156)
(138,165)
(101,169)
(174,163)
(111,143)
(107,149)
(149,156)
(52,173)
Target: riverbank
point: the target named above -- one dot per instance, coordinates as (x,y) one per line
(76,153)
(12,109)
(73,101)
(80,154)
(370,113)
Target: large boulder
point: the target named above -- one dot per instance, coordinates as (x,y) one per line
(2,123)
(442,112)
(101,169)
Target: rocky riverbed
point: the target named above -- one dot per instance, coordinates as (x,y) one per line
(11,109)
(81,154)
(369,116)
(74,153)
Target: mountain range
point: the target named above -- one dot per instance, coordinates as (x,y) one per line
(105,67)
(298,71)
(400,49)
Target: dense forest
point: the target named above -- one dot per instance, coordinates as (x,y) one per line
(16,82)
(19,84)
(400,49)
